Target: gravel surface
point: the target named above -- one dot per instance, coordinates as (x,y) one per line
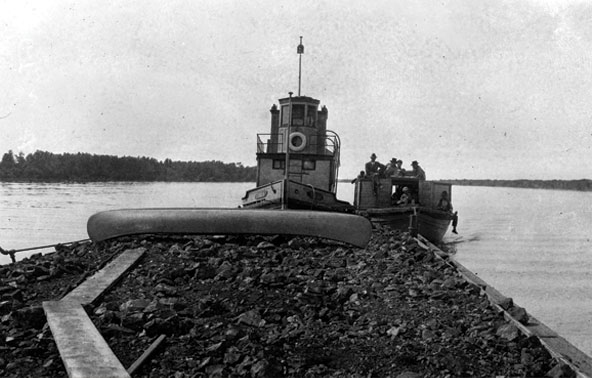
(271,307)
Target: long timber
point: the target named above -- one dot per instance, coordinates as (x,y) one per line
(82,348)
(91,289)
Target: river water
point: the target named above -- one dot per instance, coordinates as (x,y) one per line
(531,245)
(535,246)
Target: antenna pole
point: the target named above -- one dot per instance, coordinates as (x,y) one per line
(300,51)
(287,161)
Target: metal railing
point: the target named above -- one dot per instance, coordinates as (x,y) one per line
(328,144)
(318,143)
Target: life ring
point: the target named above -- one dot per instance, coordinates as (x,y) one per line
(301,141)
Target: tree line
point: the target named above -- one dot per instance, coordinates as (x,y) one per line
(583,185)
(85,167)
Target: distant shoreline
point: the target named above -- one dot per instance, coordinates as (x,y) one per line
(582,185)
(44,166)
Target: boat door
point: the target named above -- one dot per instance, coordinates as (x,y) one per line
(295,171)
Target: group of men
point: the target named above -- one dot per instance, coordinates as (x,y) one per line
(393,169)
(375,170)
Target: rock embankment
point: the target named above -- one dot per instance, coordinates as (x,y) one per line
(272,307)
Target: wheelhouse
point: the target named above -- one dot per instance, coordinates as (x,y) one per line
(299,129)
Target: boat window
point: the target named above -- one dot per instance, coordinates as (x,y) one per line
(285,115)
(308,165)
(298,114)
(311,115)
(279,164)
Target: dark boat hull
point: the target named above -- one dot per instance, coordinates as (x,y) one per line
(431,224)
(348,228)
(297,196)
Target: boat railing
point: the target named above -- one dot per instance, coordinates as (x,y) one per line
(318,144)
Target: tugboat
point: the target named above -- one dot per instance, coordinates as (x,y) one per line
(298,161)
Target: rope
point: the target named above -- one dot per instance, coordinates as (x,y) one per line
(11,252)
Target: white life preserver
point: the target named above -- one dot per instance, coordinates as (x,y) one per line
(300,146)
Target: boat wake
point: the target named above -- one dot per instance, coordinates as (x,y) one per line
(458,239)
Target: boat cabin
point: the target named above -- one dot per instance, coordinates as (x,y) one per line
(384,192)
(298,129)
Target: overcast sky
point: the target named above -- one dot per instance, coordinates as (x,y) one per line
(470,89)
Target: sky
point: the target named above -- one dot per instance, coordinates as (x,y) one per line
(470,89)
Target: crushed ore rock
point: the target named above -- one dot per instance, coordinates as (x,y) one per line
(271,306)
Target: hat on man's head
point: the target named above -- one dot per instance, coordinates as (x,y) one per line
(405,189)
(414,162)
(373,155)
(393,160)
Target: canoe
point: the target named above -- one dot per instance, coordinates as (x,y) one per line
(347,228)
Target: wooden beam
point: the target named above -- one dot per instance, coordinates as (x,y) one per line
(91,289)
(82,348)
(136,365)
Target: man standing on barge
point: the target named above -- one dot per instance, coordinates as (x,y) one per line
(373,167)
(418,172)
(373,170)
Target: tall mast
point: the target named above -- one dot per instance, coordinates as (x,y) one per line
(300,51)
(287,161)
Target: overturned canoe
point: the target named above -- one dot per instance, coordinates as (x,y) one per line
(347,228)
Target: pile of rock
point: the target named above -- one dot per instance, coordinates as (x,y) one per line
(27,348)
(276,306)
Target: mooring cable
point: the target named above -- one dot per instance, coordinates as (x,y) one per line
(11,252)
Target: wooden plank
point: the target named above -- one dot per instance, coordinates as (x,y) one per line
(468,275)
(539,328)
(91,289)
(136,365)
(347,228)
(534,326)
(572,354)
(82,348)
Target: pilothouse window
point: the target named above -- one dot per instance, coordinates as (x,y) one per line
(311,115)
(298,114)
(302,115)
(285,115)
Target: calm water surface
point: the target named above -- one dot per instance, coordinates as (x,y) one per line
(36,214)
(532,245)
